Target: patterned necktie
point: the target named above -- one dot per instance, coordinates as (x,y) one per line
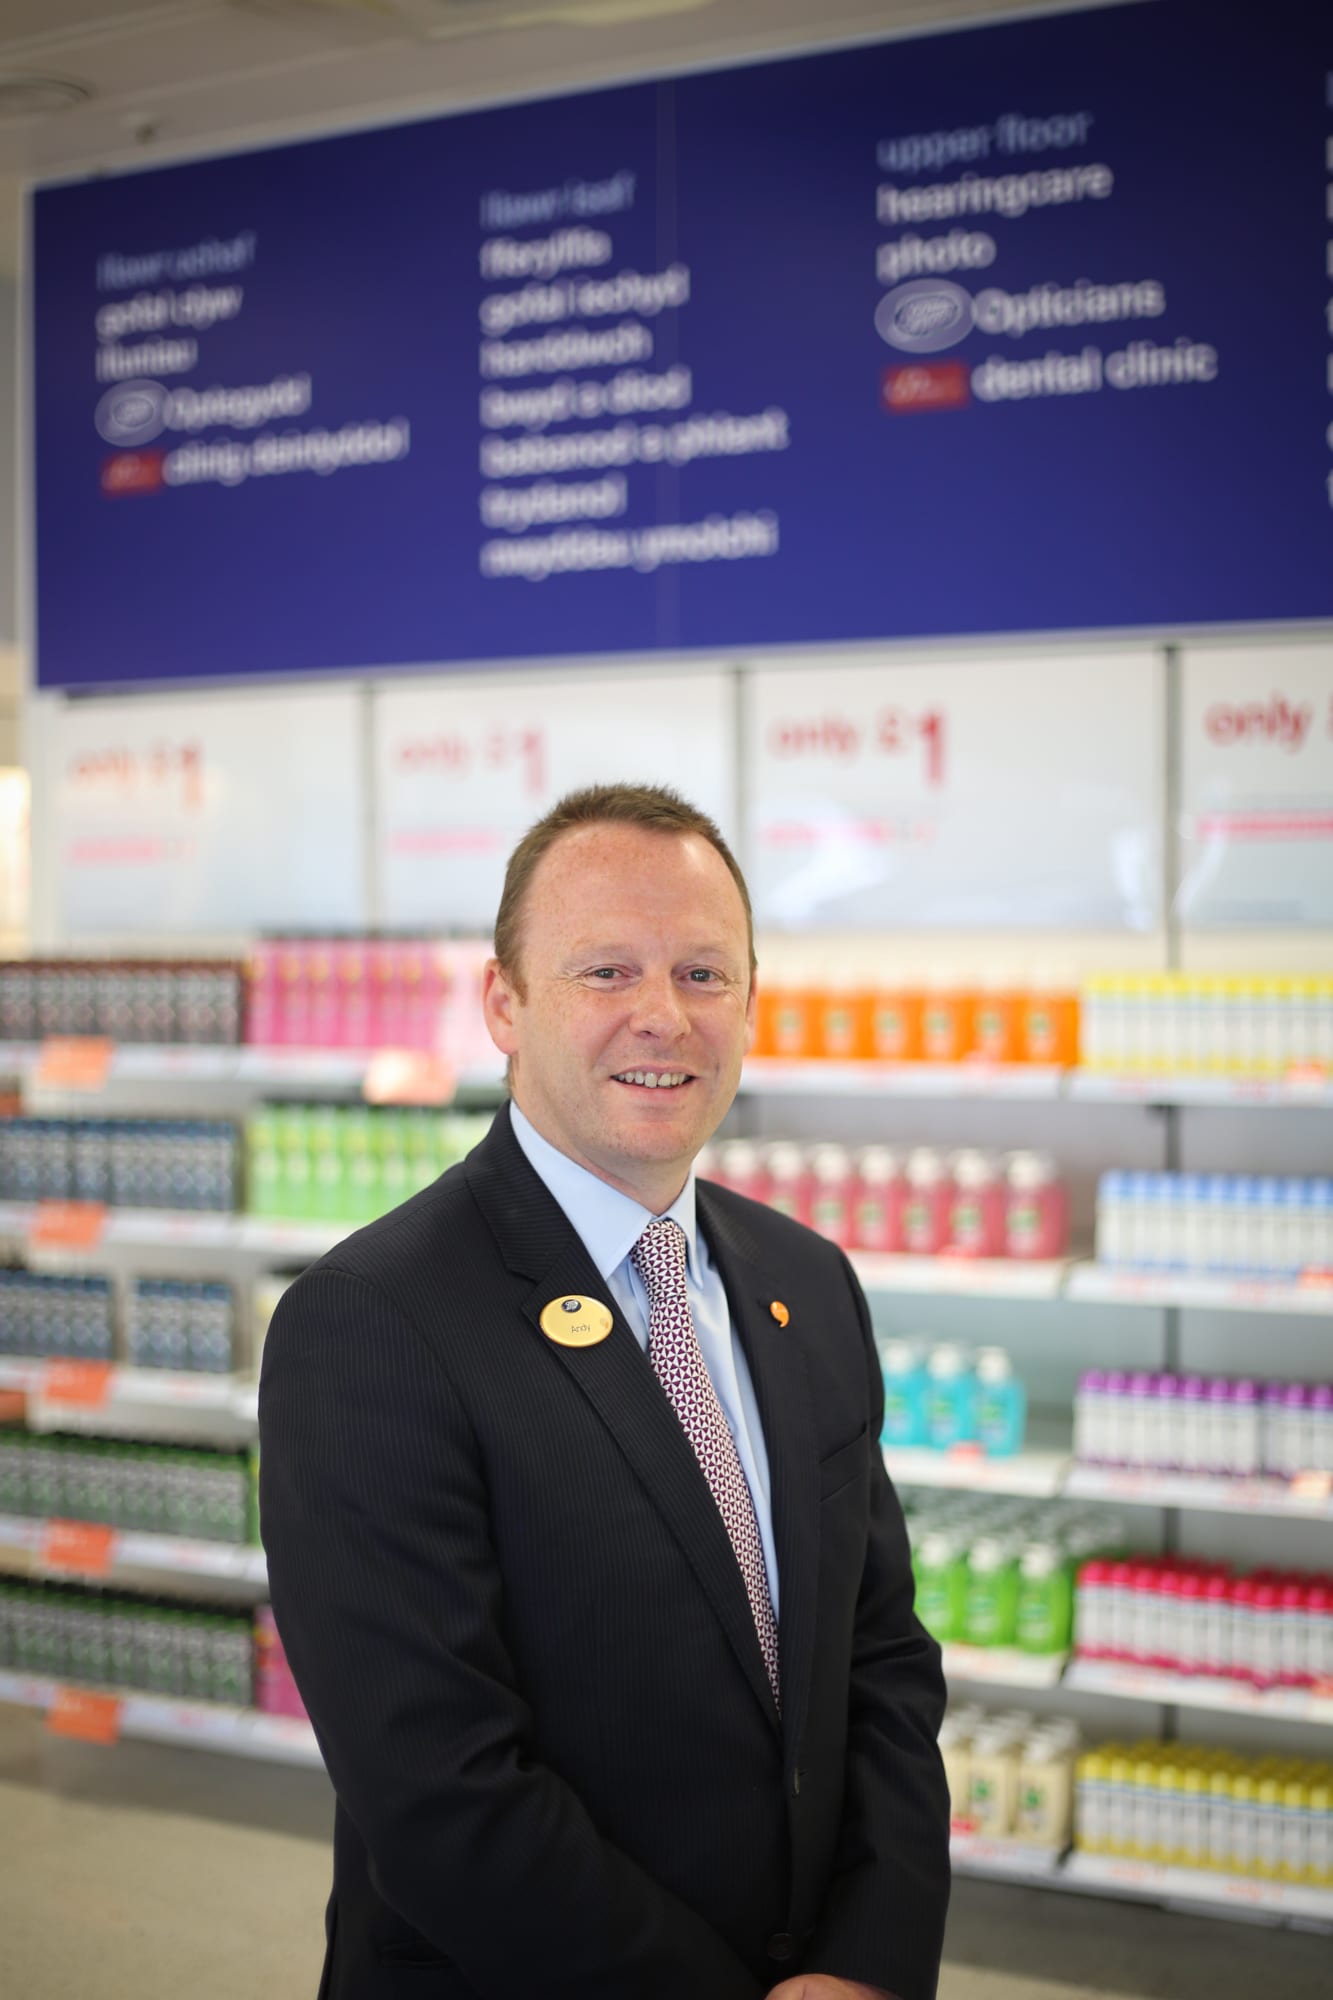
(678,1363)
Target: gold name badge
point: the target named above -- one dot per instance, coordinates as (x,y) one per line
(572,1322)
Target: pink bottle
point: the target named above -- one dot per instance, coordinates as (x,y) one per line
(1037,1207)
(1293,1650)
(324,1028)
(261,996)
(391,990)
(740,1168)
(831,1194)
(293,996)
(1189,1650)
(929,1197)
(784,1167)
(977,1206)
(350,978)
(1093,1609)
(881,1191)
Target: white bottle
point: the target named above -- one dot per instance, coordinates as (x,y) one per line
(1045,1792)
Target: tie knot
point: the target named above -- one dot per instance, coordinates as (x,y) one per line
(659,1257)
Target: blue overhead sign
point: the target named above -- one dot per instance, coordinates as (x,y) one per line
(1024,328)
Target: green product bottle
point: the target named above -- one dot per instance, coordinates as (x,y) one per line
(327,1166)
(992,1594)
(361,1168)
(295,1181)
(263,1163)
(1045,1600)
(941,1592)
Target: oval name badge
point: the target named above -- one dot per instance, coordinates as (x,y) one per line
(575,1322)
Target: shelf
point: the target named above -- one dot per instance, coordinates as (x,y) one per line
(195,1725)
(242,1074)
(961,1277)
(1037,1474)
(1123,1682)
(1235,1895)
(1001,1860)
(212,1235)
(1003,1666)
(1299,1093)
(1104,1284)
(162,1555)
(772,1076)
(1205,1495)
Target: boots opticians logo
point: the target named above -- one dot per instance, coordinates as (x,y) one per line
(132,413)
(924,315)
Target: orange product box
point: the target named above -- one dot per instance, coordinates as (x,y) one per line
(999,1018)
(1050,1027)
(788,1022)
(846,1023)
(948,1024)
(896,1024)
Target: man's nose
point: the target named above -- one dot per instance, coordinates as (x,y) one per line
(659,1009)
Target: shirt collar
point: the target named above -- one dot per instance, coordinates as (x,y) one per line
(609,1222)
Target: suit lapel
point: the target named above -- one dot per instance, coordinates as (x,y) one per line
(777,1369)
(538,1241)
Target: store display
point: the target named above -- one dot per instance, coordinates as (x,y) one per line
(1189,1806)
(191,1001)
(1011,1776)
(48,1317)
(942,1398)
(1268,1628)
(349,1163)
(117,1640)
(180,1323)
(922,1202)
(1001,1572)
(1236,1225)
(1234,1427)
(124,1162)
(368,993)
(1260,1024)
(276,1692)
(151,1489)
(845,1019)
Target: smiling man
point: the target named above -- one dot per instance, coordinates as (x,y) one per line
(580,1542)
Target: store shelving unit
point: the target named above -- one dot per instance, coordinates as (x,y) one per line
(1197,1889)
(169,1558)
(193,1725)
(1199,1691)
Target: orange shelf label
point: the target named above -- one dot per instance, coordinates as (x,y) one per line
(87,1717)
(86,1384)
(75,1062)
(408,1076)
(67,1225)
(86,1547)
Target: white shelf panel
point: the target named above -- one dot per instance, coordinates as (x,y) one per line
(1001,1860)
(1090,1086)
(1003,1666)
(163,1555)
(1029,1474)
(195,1725)
(1102,1284)
(1235,1895)
(1256,1497)
(961,1277)
(772,1076)
(1225,1697)
(249,1070)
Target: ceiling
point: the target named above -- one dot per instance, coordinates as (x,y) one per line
(166,77)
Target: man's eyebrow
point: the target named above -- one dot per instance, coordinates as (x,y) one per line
(579,953)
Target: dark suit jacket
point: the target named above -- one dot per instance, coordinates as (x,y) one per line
(516,1619)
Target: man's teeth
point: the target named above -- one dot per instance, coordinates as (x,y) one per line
(651,1080)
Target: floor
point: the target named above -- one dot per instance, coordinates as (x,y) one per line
(143,1873)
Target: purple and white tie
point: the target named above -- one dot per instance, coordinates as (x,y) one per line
(678,1362)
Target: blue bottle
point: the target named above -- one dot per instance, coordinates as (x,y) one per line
(1001,1404)
(904,1395)
(950,1386)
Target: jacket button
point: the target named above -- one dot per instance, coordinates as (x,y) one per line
(796,1784)
(781,1945)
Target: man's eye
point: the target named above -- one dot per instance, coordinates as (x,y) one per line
(703,975)
(604,972)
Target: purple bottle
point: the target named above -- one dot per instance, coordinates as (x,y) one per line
(1246,1429)
(1142,1389)
(1295,1433)
(1164,1422)
(1116,1431)
(1192,1424)
(1219,1424)
(1274,1393)
(1319,1413)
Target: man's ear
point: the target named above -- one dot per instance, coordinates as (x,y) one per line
(499,1004)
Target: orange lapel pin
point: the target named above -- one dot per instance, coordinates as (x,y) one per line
(779,1312)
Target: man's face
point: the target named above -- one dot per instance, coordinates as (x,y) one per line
(636,1009)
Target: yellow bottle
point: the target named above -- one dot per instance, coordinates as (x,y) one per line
(1120,1815)
(1319,1835)
(1092,1802)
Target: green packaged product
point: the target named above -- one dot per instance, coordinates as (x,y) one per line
(941,1586)
(1045,1600)
(992,1594)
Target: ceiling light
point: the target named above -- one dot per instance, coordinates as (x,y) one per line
(29,94)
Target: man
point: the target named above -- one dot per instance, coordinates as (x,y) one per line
(580,1542)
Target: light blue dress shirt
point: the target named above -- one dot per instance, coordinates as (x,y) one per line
(610,1224)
